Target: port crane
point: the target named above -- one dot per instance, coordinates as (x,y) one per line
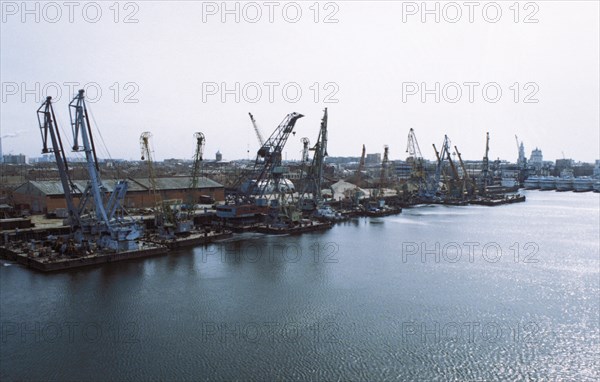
(441,156)
(49,129)
(147,156)
(314,177)
(112,231)
(417,175)
(357,179)
(468,185)
(196,173)
(384,173)
(265,179)
(168,215)
(106,225)
(268,160)
(485,171)
(197,165)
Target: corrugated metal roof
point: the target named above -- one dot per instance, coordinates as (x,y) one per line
(54,187)
(178,183)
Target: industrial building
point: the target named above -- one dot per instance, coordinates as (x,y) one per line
(48,195)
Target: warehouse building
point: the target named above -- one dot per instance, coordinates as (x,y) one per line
(48,196)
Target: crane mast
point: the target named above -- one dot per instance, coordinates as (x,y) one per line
(48,127)
(319,157)
(441,156)
(486,161)
(147,156)
(81,128)
(361,166)
(384,169)
(104,227)
(197,166)
(416,158)
(314,176)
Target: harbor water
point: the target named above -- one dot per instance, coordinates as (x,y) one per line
(435,293)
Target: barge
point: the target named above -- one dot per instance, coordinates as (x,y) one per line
(507,199)
(292,230)
(55,262)
(192,240)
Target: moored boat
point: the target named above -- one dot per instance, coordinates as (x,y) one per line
(548,183)
(583,184)
(564,184)
(532,183)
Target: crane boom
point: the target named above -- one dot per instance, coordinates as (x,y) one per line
(109,230)
(261,140)
(412,147)
(314,175)
(48,127)
(269,156)
(148,157)
(81,127)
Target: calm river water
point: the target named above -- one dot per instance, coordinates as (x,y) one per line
(436,293)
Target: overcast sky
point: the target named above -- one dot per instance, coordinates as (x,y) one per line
(368,68)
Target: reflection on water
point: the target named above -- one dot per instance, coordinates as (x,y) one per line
(457,293)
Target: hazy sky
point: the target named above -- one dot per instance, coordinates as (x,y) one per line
(368,68)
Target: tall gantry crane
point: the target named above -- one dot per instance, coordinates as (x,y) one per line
(197,165)
(314,177)
(267,175)
(268,160)
(111,231)
(417,173)
(361,167)
(48,127)
(441,156)
(485,170)
(147,156)
(384,174)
